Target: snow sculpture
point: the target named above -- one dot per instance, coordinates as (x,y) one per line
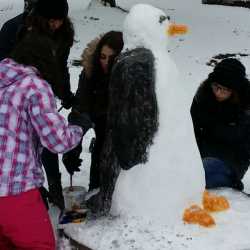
(166,175)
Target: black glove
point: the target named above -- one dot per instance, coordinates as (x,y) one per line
(81,119)
(68,101)
(71,161)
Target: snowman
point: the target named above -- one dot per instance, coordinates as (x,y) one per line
(150,164)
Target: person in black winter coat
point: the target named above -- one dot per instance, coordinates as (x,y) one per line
(132,122)
(92,97)
(8,34)
(46,18)
(221,118)
(51,18)
(10,29)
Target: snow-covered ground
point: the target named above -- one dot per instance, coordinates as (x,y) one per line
(212,30)
(129,233)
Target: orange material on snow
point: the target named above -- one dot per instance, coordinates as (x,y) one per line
(177,29)
(214,203)
(197,215)
(211,203)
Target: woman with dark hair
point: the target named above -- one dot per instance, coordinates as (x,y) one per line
(29,121)
(50,18)
(92,96)
(221,119)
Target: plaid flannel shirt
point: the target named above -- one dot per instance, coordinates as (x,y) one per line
(28,121)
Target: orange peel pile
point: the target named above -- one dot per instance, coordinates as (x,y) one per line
(211,203)
(214,203)
(197,215)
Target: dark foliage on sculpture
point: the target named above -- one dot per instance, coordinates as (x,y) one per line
(132,121)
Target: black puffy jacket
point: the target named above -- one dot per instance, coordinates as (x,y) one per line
(8,35)
(222,129)
(14,29)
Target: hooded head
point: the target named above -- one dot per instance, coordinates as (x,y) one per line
(230,73)
(52,9)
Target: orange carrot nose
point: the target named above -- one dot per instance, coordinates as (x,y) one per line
(176,29)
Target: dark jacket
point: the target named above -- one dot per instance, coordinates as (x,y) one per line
(92,93)
(222,129)
(8,35)
(92,96)
(8,38)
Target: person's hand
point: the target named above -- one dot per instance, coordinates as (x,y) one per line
(71,161)
(81,119)
(67,102)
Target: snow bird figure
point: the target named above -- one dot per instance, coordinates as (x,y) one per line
(138,124)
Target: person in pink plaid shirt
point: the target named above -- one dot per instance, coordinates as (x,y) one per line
(29,121)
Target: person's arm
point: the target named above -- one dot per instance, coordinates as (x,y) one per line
(233,132)
(53,130)
(83,95)
(5,43)
(71,159)
(198,120)
(8,34)
(67,96)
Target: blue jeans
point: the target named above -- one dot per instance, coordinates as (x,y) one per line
(217,173)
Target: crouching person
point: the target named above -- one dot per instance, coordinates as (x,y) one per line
(28,121)
(221,119)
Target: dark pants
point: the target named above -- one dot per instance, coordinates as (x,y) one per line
(94,179)
(218,174)
(51,165)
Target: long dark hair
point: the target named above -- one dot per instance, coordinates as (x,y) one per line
(63,35)
(38,51)
(112,39)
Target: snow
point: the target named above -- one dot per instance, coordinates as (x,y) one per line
(212,30)
(144,189)
(130,232)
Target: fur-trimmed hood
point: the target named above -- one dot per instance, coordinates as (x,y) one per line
(87,55)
